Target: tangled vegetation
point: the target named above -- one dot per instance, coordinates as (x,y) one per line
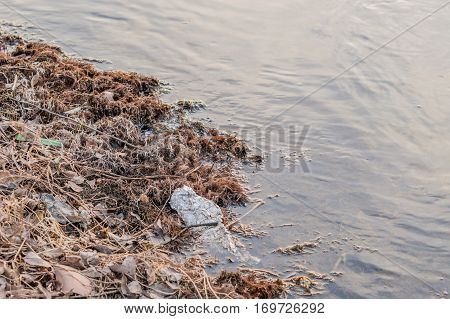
(89,160)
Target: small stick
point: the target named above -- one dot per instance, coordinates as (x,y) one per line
(192,171)
(19,250)
(260,203)
(15,83)
(259,270)
(283,225)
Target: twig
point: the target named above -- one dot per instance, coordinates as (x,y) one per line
(283,225)
(260,203)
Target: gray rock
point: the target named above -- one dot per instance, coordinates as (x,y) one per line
(217,241)
(193,209)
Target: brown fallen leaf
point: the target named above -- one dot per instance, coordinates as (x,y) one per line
(53,253)
(124,287)
(92,272)
(134,288)
(89,258)
(78,179)
(169,274)
(129,266)
(72,281)
(73,261)
(27,278)
(74,187)
(33,259)
(91,183)
(104,249)
(35,80)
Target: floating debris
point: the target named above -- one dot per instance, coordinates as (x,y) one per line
(191,105)
(300,248)
(249,286)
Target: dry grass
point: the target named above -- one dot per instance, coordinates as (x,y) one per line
(107,146)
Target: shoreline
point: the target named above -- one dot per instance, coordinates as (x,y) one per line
(102,147)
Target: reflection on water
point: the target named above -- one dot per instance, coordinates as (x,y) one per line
(379,141)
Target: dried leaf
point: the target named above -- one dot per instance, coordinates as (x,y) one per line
(73,261)
(104,249)
(34,80)
(61,211)
(135,288)
(72,281)
(53,253)
(34,259)
(74,187)
(169,274)
(129,266)
(124,286)
(91,272)
(78,179)
(89,258)
(91,183)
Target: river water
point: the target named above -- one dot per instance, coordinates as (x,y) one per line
(351,110)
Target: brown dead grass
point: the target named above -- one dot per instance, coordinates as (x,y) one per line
(119,162)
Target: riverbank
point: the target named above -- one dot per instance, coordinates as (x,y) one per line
(89,161)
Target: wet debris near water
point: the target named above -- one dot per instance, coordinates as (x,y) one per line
(88,167)
(299,248)
(249,286)
(310,282)
(191,105)
(260,283)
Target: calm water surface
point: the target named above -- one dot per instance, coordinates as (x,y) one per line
(377,181)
